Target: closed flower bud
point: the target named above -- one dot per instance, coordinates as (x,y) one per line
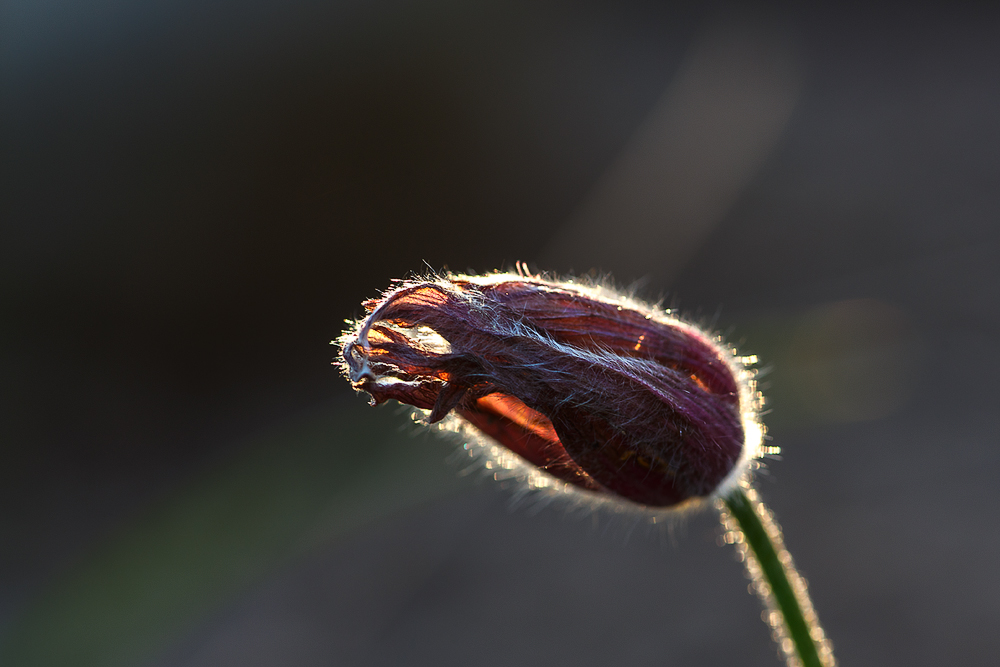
(601,392)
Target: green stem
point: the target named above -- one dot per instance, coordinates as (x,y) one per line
(751,527)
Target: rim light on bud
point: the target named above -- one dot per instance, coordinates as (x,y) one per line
(605,394)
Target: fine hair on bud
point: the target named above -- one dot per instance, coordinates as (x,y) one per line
(564,389)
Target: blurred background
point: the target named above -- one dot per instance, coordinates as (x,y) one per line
(195,195)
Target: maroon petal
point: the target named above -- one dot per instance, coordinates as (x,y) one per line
(527,433)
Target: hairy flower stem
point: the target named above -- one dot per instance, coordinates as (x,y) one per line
(751,527)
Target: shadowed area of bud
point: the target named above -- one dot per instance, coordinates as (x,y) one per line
(599,391)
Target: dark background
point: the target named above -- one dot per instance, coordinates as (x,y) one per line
(195,195)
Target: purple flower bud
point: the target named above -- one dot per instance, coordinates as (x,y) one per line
(599,391)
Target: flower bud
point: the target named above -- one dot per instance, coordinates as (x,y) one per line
(606,394)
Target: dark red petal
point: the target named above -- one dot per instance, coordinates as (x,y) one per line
(527,433)
(576,319)
(648,467)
